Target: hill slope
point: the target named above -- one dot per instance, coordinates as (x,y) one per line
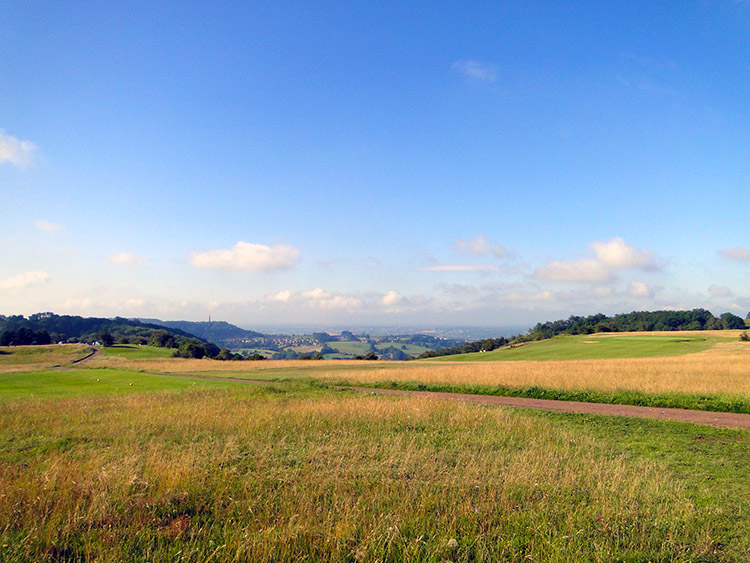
(219,332)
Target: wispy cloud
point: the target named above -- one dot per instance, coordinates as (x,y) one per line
(125,258)
(15,151)
(718,291)
(640,290)
(480,246)
(541,297)
(317,298)
(736,254)
(248,257)
(47,226)
(475,268)
(475,70)
(587,270)
(27,279)
(610,257)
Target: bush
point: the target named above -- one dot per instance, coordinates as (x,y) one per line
(744,336)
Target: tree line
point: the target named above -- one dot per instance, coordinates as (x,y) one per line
(637,321)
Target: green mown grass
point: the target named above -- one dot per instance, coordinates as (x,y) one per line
(294,473)
(54,384)
(137,352)
(593,348)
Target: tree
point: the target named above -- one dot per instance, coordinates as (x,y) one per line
(190,348)
(162,339)
(730,321)
(106,338)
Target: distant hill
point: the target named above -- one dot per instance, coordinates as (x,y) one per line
(219,332)
(69,328)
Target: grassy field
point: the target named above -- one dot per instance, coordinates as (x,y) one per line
(26,358)
(54,384)
(294,473)
(112,460)
(717,378)
(137,352)
(603,346)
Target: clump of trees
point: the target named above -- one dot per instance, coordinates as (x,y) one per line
(24,337)
(486,345)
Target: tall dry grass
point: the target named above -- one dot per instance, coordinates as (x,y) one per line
(216,476)
(724,369)
(15,359)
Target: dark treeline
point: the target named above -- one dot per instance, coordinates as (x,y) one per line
(24,337)
(69,328)
(485,345)
(47,328)
(637,321)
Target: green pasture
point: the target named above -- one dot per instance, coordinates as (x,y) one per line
(594,347)
(64,383)
(134,352)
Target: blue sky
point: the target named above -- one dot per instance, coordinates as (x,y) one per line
(392,163)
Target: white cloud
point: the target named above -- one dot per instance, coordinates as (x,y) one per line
(587,270)
(461,268)
(719,291)
(640,290)
(392,298)
(475,70)
(247,256)
(316,298)
(610,256)
(737,254)
(77,304)
(327,300)
(47,227)
(480,246)
(14,151)
(282,296)
(27,279)
(125,258)
(619,254)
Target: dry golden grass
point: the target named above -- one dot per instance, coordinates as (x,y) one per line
(724,369)
(15,359)
(182,365)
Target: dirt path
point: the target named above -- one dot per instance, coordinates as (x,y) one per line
(720,419)
(94,354)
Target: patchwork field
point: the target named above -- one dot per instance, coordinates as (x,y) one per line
(113,460)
